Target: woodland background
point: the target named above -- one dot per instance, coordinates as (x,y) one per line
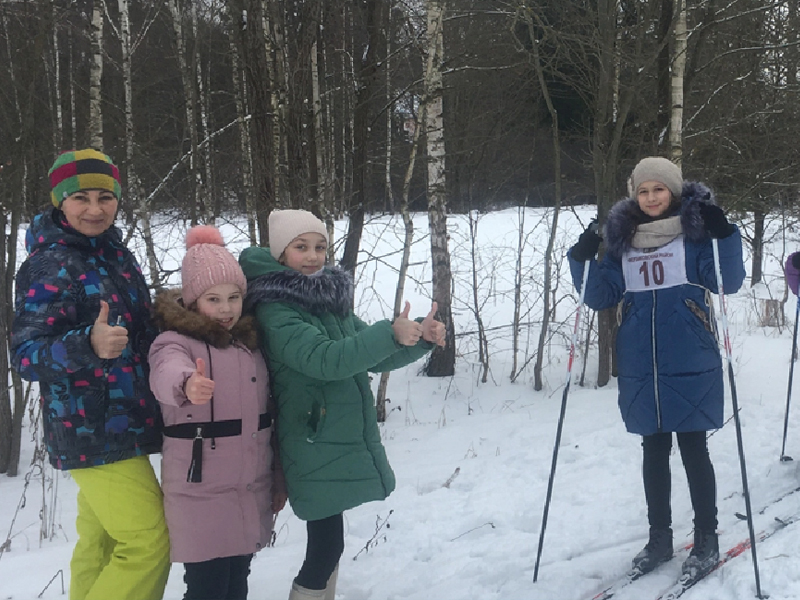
(216,110)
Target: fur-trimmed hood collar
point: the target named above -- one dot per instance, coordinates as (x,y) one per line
(330,290)
(171,315)
(625,216)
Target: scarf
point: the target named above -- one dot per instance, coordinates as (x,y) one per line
(657,233)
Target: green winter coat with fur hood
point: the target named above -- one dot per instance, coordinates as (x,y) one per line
(319,356)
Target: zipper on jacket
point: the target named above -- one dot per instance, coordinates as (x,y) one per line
(655,363)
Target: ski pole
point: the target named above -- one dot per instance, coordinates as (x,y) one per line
(736,419)
(785,458)
(560,427)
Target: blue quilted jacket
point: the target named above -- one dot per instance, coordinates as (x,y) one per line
(668,358)
(95,411)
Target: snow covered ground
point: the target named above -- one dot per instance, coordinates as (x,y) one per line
(472,459)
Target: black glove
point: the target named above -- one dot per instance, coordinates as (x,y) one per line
(588,243)
(796,260)
(714,221)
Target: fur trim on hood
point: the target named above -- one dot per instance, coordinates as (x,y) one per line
(169,314)
(625,216)
(330,290)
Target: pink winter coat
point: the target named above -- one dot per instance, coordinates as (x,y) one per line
(229,512)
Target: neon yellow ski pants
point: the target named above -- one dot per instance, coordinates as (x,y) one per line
(122,551)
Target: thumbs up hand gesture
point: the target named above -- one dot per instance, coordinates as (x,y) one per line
(406,331)
(108,341)
(198,387)
(433,331)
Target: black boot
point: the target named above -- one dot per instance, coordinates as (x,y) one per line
(704,555)
(657,551)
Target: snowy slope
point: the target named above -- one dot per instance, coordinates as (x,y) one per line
(472,463)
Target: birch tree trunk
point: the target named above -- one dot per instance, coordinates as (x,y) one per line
(442,360)
(135,192)
(518,279)
(73,117)
(240,95)
(318,134)
(95,78)
(277,62)
(256,63)
(676,88)
(483,341)
(399,292)
(389,114)
(211,202)
(190,100)
(58,132)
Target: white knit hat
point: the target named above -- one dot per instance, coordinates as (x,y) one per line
(656,168)
(285,225)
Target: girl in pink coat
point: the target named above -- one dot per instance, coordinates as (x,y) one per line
(221,481)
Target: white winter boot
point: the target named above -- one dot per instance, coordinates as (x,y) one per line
(330,589)
(300,593)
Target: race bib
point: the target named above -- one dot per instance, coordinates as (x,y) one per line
(654,269)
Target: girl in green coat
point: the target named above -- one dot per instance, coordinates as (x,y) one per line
(320,354)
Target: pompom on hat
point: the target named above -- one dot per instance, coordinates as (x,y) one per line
(285,225)
(78,170)
(207,263)
(656,168)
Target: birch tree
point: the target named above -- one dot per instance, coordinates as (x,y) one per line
(442,359)
(277,63)
(239,79)
(678,70)
(408,224)
(187,66)
(58,131)
(135,193)
(95,78)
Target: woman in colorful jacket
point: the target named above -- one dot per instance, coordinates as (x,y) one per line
(220,485)
(319,354)
(659,272)
(82,330)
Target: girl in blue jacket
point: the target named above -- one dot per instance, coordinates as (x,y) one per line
(658,271)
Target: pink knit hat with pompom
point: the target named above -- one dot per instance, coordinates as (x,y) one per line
(207,263)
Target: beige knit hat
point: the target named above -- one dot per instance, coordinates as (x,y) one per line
(285,225)
(656,168)
(207,263)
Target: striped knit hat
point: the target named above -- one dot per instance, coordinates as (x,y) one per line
(207,263)
(78,170)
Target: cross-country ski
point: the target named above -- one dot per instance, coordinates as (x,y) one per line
(686,582)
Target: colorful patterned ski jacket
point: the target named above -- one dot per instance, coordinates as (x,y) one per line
(668,358)
(319,354)
(96,411)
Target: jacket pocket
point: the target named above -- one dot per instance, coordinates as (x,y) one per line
(315,420)
(623,308)
(699,322)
